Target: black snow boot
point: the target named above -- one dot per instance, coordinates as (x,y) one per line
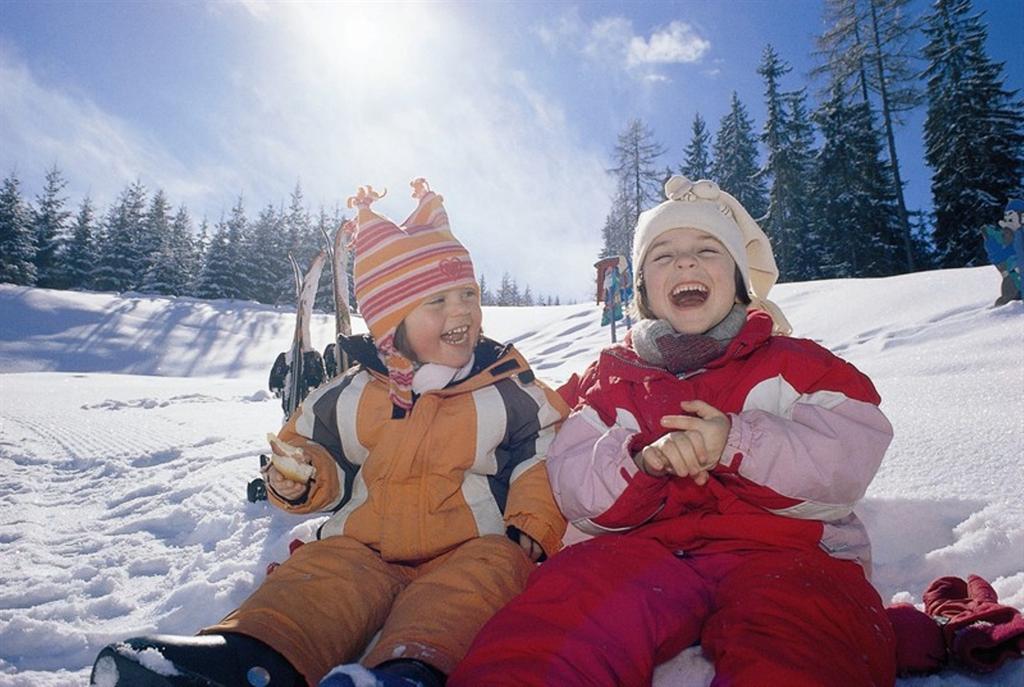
(227,660)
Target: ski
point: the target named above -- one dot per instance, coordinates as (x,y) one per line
(335,358)
(301,368)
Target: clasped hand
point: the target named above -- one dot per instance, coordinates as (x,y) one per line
(693,449)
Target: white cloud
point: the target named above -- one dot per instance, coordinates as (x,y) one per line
(676,43)
(614,42)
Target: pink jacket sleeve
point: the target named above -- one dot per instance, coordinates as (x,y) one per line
(591,471)
(818,452)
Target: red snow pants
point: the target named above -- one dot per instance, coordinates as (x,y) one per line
(605,612)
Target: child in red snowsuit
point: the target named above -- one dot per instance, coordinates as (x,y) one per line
(719,462)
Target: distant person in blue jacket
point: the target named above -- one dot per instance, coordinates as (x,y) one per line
(1004,246)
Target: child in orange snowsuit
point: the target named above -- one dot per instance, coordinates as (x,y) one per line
(429,455)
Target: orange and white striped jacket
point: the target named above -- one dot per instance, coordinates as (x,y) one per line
(467,460)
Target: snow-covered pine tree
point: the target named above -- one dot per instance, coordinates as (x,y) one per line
(787,170)
(697,155)
(161,263)
(224,270)
(120,264)
(506,293)
(806,252)
(617,234)
(215,276)
(187,249)
(867,50)
(271,254)
(973,132)
(735,166)
(299,241)
(527,296)
(80,255)
(17,238)
(243,250)
(639,180)
(486,298)
(168,271)
(852,193)
(325,291)
(50,220)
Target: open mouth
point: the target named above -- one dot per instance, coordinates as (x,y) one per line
(456,335)
(689,295)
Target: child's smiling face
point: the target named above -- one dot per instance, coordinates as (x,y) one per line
(690,280)
(445,327)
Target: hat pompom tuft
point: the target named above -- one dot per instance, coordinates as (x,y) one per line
(677,187)
(364,197)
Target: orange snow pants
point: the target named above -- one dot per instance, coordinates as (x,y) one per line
(324,604)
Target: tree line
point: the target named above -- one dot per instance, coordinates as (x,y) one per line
(829,191)
(141,243)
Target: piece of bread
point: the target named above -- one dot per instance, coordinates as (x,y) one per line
(287,463)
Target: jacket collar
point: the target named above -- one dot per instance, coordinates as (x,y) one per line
(497,360)
(621,360)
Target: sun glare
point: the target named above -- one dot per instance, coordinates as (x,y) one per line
(363,43)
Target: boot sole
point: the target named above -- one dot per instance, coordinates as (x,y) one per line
(115,669)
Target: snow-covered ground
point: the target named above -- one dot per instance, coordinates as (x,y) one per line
(129,426)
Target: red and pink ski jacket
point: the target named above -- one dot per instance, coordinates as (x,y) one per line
(807,438)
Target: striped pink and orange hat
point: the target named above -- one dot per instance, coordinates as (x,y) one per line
(396,268)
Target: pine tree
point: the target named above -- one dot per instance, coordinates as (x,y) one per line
(639,181)
(506,293)
(735,167)
(298,230)
(866,50)
(973,132)
(80,256)
(697,160)
(187,250)
(17,239)
(806,252)
(271,258)
(121,264)
(616,235)
(242,251)
(170,272)
(159,276)
(527,296)
(486,298)
(853,193)
(50,227)
(787,170)
(226,270)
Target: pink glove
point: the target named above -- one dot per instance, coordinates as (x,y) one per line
(979,632)
(920,646)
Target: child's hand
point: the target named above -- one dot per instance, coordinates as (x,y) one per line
(531,547)
(287,487)
(282,485)
(691,452)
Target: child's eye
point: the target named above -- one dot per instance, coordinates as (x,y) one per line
(662,257)
(710,251)
(436,301)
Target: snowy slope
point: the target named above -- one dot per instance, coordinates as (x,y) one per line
(129,427)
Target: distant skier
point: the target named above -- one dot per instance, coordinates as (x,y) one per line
(429,454)
(1004,246)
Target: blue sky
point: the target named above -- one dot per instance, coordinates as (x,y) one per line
(509,109)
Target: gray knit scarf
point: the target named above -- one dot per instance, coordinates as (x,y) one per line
(659,344)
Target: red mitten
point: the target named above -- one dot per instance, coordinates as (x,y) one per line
(979,632)
(920,647)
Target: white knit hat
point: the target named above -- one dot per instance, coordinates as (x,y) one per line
(702,205)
